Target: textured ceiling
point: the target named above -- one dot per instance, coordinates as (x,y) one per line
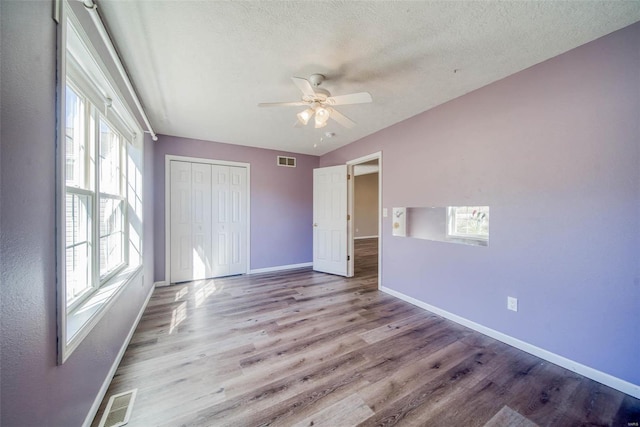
(201,67)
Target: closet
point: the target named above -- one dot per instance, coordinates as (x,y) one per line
(208,220)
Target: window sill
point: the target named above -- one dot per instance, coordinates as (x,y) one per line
(473,241)
(82,319)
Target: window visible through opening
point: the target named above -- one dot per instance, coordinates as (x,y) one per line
(468,222)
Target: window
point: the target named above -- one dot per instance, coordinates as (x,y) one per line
(78,201)
(468,222)
(99,190)
(87,183)
(112,207)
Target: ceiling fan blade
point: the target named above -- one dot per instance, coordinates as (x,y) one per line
(304,86)
(282,104)
(341,118)
(353,98)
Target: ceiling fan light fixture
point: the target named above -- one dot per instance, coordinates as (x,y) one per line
(304,116)
(322,115)
(319,103)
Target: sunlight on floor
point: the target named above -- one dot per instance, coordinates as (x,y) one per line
(182,293)
(201,290)
(178,315)
(204,290)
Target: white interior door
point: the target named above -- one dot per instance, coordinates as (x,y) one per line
(330,220)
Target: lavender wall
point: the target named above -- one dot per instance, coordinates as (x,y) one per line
(555,151)
(34,390)
(281,200)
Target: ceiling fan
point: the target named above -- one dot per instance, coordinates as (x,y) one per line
(319,102)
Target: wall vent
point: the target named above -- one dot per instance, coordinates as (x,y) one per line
(289,162)
(118,410)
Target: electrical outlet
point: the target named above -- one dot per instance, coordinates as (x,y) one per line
(512,303)
(385,212)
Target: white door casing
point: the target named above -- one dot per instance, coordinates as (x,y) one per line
(351,181)
(330,220)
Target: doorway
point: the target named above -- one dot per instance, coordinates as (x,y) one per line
(365,218)
(365,207)
(333,217)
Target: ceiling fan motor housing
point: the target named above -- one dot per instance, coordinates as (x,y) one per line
(320,96)
(316,80)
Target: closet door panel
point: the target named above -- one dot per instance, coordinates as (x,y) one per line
(201,220)
(237,224)
(180,202)
(220,228)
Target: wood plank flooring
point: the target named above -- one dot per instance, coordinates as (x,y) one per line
(301,348)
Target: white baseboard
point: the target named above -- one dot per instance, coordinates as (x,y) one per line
(114,367)
(280,268)
(365,237)
(599,376)
(255,271)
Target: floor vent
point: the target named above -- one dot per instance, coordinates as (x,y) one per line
(287,161)
(118,410)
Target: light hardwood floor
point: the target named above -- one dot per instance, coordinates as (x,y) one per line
(311,349)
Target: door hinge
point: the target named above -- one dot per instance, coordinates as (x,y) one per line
(348,217)
(348,177)
(348,257)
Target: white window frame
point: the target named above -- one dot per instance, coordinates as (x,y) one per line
(80,67)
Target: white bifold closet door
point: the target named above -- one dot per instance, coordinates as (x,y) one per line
(229,185)
(208,220)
